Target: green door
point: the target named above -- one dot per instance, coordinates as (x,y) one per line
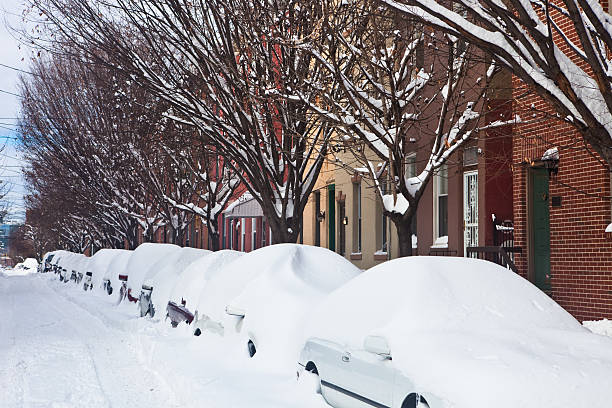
(331,217)
(540,220)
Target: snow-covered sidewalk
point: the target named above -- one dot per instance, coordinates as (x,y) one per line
(62,347)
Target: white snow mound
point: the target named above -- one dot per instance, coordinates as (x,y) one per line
(288,280)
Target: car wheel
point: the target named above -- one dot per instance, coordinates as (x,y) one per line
(415,400)
(197,332)
(311,377)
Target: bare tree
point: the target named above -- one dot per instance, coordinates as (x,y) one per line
(560,49)
(220,65)
(403,87)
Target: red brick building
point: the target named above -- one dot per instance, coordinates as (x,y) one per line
(561,209)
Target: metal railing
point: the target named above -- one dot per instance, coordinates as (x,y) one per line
(500,255)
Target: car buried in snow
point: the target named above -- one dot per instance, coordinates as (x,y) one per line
(442,332)
(183,302)
(284,283)
(115,274)
(162,277)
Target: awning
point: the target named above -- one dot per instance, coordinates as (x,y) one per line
(244,207)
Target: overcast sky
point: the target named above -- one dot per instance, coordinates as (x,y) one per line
(11,55)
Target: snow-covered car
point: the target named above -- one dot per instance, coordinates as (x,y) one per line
(443,332)
(117,267)
(163,276)
(285,281)
(184,300)
(98,265)
(46,263)
(28,266)
(140,263)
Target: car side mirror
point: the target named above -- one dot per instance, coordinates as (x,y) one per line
(377,345)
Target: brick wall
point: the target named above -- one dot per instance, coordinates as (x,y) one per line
(581,253)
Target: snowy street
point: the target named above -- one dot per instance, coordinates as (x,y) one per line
(60,347)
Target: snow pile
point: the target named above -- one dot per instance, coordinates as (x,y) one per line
(141,261)
(286,281)
(28,266)
(190,285)
(165,273)
(603,327)
(471,332)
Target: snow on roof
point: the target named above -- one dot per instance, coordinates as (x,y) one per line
(471,332)
(551,154)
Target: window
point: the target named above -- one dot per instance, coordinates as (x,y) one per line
(410,165)
(243,234)
(441,202)
(254,234)
(357,218)
(263,232)
(411,171)
(317,237)
(383,223)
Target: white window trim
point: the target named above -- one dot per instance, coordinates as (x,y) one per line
(436,229)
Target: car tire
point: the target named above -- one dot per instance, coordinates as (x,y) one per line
(411,401)
(197,332)
(311,375)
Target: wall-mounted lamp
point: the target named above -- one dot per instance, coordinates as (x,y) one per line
(345,221)
(321,216)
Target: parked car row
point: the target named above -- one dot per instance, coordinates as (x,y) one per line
(423,332)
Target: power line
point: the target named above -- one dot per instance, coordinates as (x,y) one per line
(17,69)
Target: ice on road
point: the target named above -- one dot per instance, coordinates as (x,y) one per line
(61,347)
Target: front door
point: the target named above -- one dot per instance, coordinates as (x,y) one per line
(331,217)
(540,228)
(342,232)
(470,210)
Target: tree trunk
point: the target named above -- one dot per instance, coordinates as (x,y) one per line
(214,241)
(284,230)
(403,224)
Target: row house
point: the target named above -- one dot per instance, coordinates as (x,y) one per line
(466,210)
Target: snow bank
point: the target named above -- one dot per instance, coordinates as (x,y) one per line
(145,256)
(286,281)
(190,285)
(603,327)
(28,266)
(165,273)
(100,262)
(472,332)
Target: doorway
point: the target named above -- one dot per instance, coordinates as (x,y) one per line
(470,210)
(539,234)
(331,217)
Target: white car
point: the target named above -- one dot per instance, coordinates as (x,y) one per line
(444,332)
